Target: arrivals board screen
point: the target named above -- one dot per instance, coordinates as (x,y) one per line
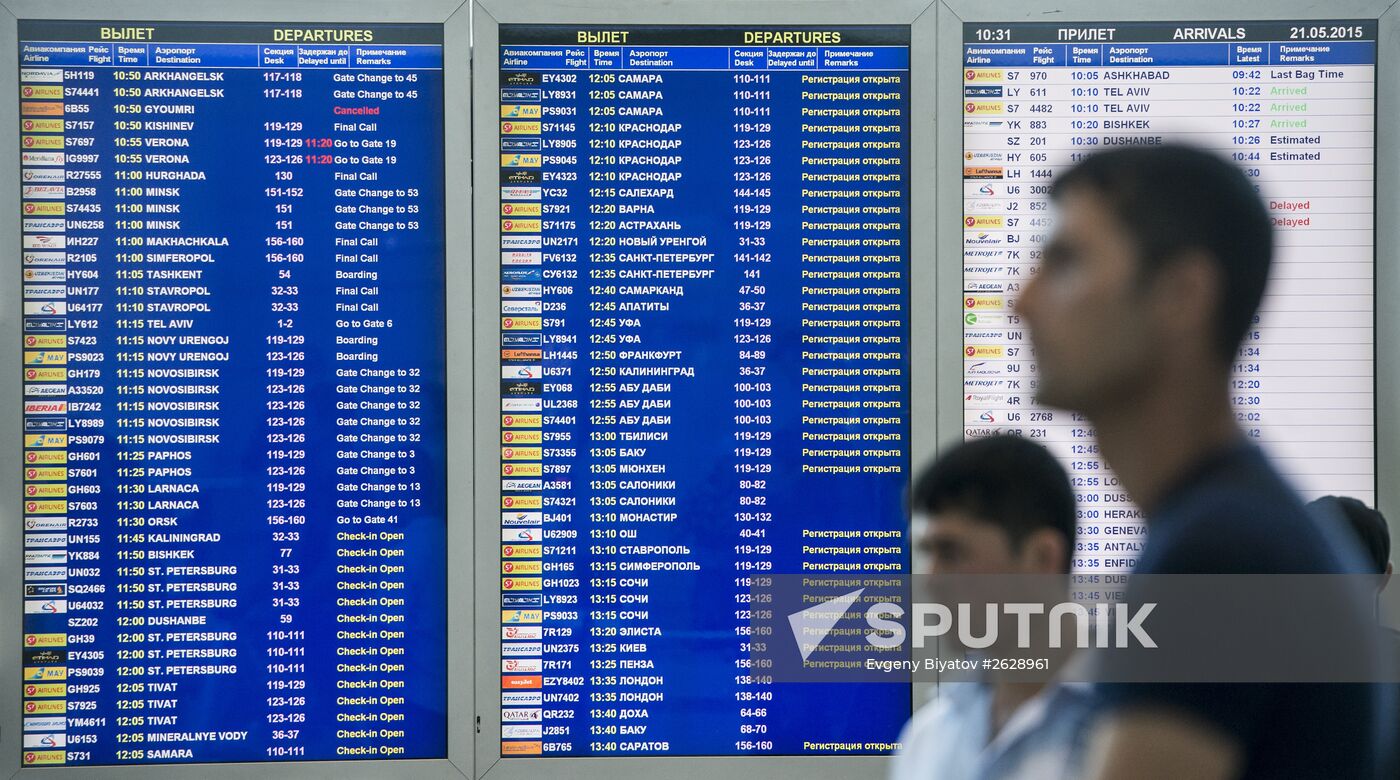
(1293,104)
(704,326)
(234,455)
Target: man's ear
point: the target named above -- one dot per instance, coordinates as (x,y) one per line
(1186,296)
(1045,551)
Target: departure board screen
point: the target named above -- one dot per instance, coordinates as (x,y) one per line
(234,455)
(704,374)
(1293,104)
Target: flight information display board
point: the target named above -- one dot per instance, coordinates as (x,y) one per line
(704,374)
(1293,104)
(234,455)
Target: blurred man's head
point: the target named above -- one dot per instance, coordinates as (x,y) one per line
(1368,528)
(997,505)
(1157,265)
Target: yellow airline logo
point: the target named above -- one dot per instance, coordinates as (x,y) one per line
(522,437)
(47,490)
(521,453)
(518,616)
(45,707)
(45,357)
(45,92)
(522,469)
(520,112)
(45,640)
(521,583)
(45,690)
(32,341)
(51,456)
(42,142)
(521,502)
(983,302)
(45,374)
(520,323)
(522,567)
(43,757)
(975,222)
(520,226)
(522,748)
(31,209)
(520,128)
(980,74)
(521,420)
(520,209)
(980,107)
(520,551)
(41,125)
(46,472)
(50,507)
(516,160)
(43,673)
(984,351)
(46,440)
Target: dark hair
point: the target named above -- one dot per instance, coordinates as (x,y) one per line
(1174,199)
(1007,481)
(1367,523)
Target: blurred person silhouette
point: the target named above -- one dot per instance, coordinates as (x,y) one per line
(1149,283)
(1000,505)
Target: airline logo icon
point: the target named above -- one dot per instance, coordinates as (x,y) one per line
(51,740)
(519,111)
(46,440)
(45,607)
(521,242)
(520,95)
(516,649)
(983,238)
(521,79)
(983,172)
(45,673)
(522,307)
(30,209)
(990,91)
(521,290)
(33,341)
(41,158)
(521,340)
(521,583)
(46,391)
(46,407)
(983,107)
(521,665)
(522,404)
(41,75)
(521,534)
(984,157)
(521,388)
(45,357)
(983,207)
(522,354)
(976,222)
(520,323)
(521,420)
(519,568)
(45,275)
(522,437)
(43,125)
(984,351)
(44,757)
(522,681)
(517,600)
(520,732)
(521,453)
(59,724)
(979,74)
(522,502)
(45,573)
(521,144)
(45,707)
(45,557)
(43,175)
(45,291)
(522,275)
(46,490)
(42,142)
(45,540)
(522,258)
(44,241)
(522,632)
(520,716)
(41,93)
(522,698)
(520,128)
(521,209)
(521,616)
(521,748)
(44,258)
(521,484)
(521,372)
(45,374)
(520,226)
(521,519)
(520,160)
(45,640)
(521,550)
(46,523)
(983,302)
(520,193)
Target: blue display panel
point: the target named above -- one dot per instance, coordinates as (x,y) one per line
(705,375)
(234,511)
